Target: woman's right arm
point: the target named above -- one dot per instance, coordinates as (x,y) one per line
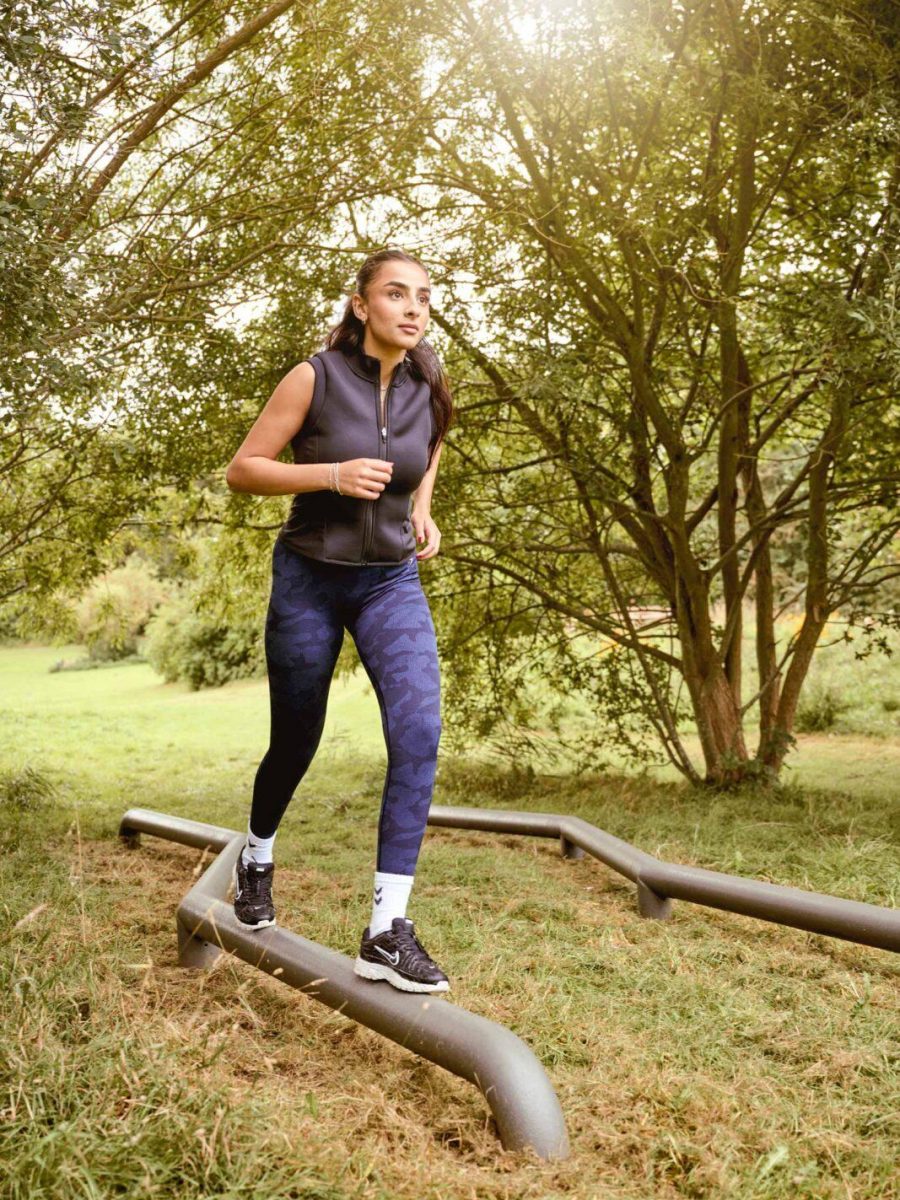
(255,467)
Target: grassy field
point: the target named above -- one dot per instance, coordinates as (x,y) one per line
(712,1055)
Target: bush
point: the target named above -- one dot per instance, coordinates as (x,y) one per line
(818,709)
(90,664)
(114,611)
(200,650)
(38,616)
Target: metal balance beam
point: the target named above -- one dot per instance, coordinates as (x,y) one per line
(658,882)
(510,1076)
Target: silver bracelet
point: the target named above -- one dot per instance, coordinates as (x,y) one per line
(335,479)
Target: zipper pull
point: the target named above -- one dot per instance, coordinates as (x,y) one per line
(384,432)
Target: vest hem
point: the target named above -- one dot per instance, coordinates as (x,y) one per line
(344,562)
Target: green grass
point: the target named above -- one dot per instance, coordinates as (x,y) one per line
(864,693)
(711,1056)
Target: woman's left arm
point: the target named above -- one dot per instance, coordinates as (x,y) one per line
(420,516)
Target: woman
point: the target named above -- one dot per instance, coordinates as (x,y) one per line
(366,418)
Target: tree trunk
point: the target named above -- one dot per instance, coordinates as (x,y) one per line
(715,707)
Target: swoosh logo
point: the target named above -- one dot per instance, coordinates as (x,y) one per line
(393,959)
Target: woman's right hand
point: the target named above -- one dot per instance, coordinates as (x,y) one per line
(364,477)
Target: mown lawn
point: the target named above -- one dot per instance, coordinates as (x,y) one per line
(710,1056)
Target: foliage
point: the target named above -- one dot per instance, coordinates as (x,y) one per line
(818,709)
(694,411)
(664,247)
(94,664)
(186,645)
(113,613)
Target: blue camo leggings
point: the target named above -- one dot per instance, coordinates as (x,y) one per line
(387,615)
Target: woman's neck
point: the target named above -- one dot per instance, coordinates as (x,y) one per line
(388,356)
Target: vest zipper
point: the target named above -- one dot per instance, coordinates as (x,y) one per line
(385,433)
(383,430)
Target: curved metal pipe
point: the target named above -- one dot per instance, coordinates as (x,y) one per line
(507,1071)
(659,882)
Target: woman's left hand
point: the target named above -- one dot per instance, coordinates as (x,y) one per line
(426,529)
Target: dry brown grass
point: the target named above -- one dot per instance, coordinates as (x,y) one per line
(378,1121)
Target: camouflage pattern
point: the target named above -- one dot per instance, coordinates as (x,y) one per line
(386,613)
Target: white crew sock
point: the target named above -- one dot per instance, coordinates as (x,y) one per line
(389,899)
(257,849)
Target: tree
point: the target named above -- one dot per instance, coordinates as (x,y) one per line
(83,271)
(687,223)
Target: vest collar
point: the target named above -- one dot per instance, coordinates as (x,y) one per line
(367,366)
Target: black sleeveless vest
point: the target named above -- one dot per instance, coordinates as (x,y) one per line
(344,422)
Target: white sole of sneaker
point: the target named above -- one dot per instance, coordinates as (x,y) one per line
(367,970)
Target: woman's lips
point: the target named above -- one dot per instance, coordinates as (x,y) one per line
(410,328)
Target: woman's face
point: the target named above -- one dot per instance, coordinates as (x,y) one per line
(396,310)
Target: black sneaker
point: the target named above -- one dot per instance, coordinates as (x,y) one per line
(397,955)
(253,892)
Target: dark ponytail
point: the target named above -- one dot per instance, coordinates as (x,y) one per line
(424,363)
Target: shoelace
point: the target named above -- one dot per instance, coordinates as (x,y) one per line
(258,885)
(408,937)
